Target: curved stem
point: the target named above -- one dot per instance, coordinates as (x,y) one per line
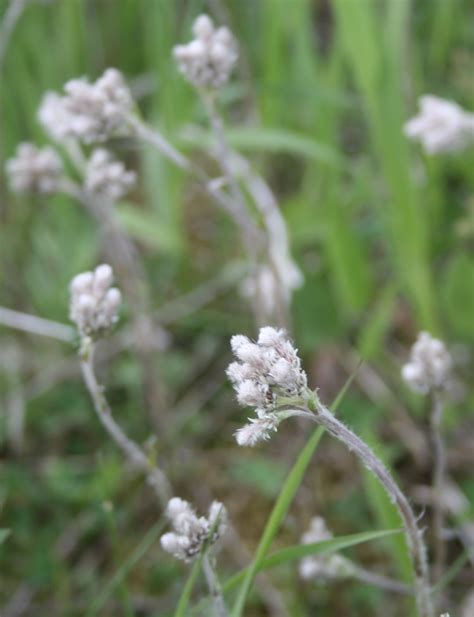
(439,464)
(155,477)
(337,429)
(214,587)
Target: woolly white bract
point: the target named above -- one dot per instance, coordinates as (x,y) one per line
(267,372)
(441,126)
(430,365)
(89,112)
(94,303)
(107,177)
(191,533)
(34,170)
(209,59)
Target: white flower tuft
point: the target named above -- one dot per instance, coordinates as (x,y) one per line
(94,304)
(258,429)
(34,170)
(106,177)
(321,566)
(441,126)
(208,60)
(191,532)
(89,112)
(430,365)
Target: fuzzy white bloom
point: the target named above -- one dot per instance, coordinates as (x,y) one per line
(265,371)
(441,125)
(94,303)
(321,566)
(89,112)
(107,177)
(190,532)
(34,170)
(430,365)
(209,59)
(257,429)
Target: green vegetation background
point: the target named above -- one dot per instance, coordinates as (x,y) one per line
(383,234)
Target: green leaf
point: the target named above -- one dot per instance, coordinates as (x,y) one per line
(277,515)
(4,533)
(298,551)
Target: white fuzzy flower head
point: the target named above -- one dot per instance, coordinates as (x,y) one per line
(430,364)
(441,126)
(89,112)
(208,60)
(321,566)
(34,170)
(191,533)
(107,177)
(94,303)
(257,430)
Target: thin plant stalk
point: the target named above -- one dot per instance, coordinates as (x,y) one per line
(439,470)
(12,15)
(135,455)
(355,444)
(36,325)
(215,591)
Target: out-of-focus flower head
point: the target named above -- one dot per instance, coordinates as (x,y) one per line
(430,364)
(94,303)
(441,126)
(107,177)
(34,170)
(89,112)
(208,60)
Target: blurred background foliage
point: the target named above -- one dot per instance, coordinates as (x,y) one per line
(383,234)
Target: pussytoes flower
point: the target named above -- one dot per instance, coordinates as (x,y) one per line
(34,170)
(94,303)
(321,566)
(430,365)
(107,177)
(441,126)
(191,534)
(89,112)
(266,373)
(208,60)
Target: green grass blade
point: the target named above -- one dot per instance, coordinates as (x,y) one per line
(298,551)
(279,511)
(4,533)
(188,589)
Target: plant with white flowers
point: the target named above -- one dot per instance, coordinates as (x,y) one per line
(94,302)
(430,365)
(106,177)
(88,112)
(208,60)
(322,566)
(441,126)
(192,534)
(268,377)
(34,170)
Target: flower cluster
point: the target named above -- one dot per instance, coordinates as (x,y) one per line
(321,566)
(192,533)
(94,302)
(267,372)
(441,126)
(430,365)
(107,177)
(89,112)
(34,170)
(208,60)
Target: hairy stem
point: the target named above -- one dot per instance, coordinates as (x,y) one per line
(135,455)
(439,464)
(355,444)
(215,590)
